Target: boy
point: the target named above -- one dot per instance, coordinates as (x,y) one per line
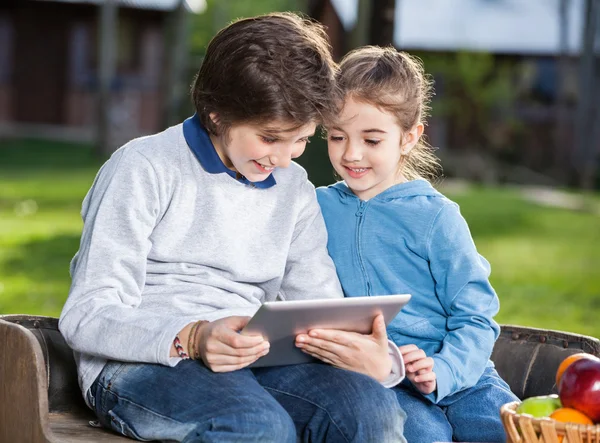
(188,231)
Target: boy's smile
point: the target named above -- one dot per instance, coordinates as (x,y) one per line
(255,150)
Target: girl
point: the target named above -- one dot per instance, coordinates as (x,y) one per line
(391,232)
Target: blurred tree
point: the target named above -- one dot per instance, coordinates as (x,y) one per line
(473,90)
(199,29)
(220,12)
(562,105)
(381,31)
(585,155)
(178,31)
(107,31)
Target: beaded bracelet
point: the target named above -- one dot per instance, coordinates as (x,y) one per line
(180,349)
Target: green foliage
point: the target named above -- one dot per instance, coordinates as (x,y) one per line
(221,12)
(476,94)
(544,261)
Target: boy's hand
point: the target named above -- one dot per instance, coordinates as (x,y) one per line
(367,354)
(419,368)
(224,349)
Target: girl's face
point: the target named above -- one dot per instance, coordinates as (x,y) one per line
(365,149)
(256,150)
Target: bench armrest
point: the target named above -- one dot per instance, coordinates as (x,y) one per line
(528,358)
(23,387)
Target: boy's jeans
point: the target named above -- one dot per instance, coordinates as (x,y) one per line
(469,415)
(189,403)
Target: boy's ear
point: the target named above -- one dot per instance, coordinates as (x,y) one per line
(411,138)
(214,117)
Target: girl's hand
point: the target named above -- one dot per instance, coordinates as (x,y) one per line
(224,349)
(419,368)
(367,354)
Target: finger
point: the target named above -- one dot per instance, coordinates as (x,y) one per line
(414,356)
(379,331)
(427,377)
(215,346)
(406,349)
(235,340)
(322,354)
(333,335)
(423,364)
(326,345)
(323,359)
(236,322)
(214,360)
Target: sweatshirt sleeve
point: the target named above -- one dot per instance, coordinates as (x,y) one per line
(100,316)
(398,372)
(462,286)
(309,271)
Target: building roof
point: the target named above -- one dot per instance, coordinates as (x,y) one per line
(500,26)
(196,6)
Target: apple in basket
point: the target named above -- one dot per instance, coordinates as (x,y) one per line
(540,406)
(580,387)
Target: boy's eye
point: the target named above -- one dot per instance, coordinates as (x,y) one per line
(372,142)
(268,139)
(304,140)
(336,138)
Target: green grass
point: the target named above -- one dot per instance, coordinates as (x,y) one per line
(42,185)
(545,261)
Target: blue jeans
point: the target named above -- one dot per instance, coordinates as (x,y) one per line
(472,415)
(189,403)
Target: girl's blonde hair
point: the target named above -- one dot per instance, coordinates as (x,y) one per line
(395,82)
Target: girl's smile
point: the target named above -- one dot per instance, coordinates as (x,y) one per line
(357,172)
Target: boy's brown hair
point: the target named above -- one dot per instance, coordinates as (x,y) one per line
(395,82)
(271,67)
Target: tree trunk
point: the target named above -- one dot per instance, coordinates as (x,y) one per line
(563,120)
(177,57)
(584,147)
(106,73)
(359,36)
(381,30)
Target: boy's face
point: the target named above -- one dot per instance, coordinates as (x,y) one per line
(365,148)
(255,150)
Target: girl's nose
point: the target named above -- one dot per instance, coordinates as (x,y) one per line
(352,153)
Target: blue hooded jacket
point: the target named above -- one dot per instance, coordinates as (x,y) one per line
(411,239)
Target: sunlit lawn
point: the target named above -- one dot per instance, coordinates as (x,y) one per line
(545,261)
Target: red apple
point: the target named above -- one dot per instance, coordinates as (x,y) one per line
(580,387)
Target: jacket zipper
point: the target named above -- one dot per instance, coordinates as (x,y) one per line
(362,206)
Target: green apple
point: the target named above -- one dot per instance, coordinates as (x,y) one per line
(541,406)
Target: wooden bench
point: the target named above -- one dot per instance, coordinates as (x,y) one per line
(40,400)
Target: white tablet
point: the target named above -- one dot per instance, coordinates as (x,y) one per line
(281,321)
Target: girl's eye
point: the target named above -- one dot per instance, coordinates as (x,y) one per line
(304,140)
(336,138)
(372,142)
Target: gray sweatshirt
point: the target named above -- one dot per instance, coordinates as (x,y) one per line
(166,243)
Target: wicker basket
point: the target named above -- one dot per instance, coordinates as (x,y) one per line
(524,428)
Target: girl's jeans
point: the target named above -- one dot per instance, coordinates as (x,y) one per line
(189,403)
(469,415)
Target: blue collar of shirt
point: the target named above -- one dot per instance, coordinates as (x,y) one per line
(199,142)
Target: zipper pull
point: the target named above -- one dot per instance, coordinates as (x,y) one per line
(361,209)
